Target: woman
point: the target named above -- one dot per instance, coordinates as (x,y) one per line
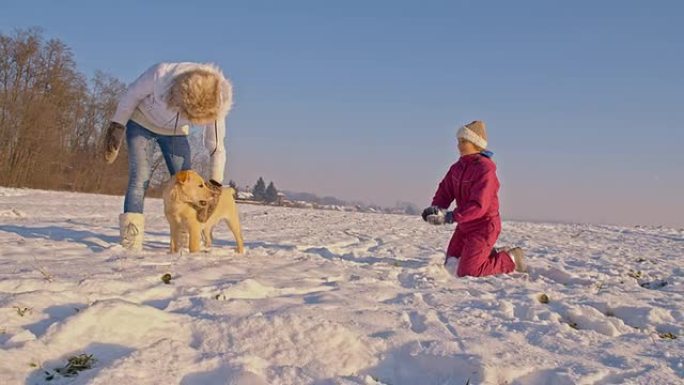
(158,108)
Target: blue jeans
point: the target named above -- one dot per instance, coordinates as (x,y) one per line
(140,141)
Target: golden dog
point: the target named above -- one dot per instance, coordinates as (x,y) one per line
(186,200)
(182,195)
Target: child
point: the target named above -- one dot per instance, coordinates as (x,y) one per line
(472,182)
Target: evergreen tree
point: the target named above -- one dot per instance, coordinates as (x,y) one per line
(259,190)
(271,193)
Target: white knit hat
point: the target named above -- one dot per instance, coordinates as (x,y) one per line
(474,132)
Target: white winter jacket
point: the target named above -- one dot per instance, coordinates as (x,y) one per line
(145,102)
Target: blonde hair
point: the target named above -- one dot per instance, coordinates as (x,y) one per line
(196,95)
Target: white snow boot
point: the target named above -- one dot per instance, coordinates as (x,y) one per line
(451,266)
(132,227)
(518,256)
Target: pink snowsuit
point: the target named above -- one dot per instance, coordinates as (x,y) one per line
(472,182)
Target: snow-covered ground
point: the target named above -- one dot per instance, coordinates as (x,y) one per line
(324,297)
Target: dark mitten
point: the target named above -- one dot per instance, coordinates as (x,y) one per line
(113,140)
(215,186)
(432,210)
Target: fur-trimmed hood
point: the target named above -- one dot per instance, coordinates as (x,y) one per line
(199,92)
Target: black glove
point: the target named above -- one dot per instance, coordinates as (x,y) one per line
(442,217)
(113,139)
(215,183)
(215,186)
(432,210)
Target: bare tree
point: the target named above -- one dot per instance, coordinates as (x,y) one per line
(51,119)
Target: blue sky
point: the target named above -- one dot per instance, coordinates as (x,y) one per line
(584,100)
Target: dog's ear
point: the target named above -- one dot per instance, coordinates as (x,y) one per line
(183,177)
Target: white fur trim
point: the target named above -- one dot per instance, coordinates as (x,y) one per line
(468,134)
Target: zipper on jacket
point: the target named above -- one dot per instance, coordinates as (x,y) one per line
(216,138)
